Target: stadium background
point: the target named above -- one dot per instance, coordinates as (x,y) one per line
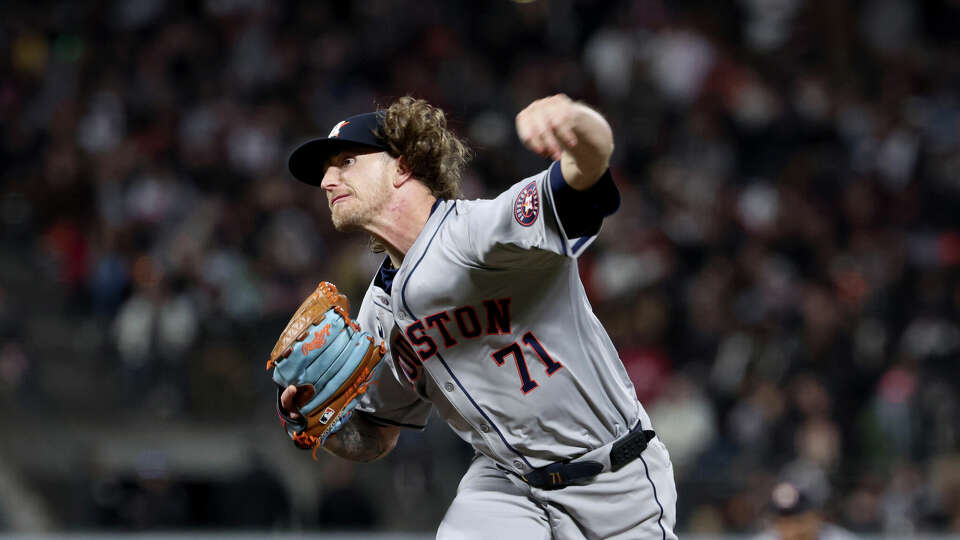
(781,279)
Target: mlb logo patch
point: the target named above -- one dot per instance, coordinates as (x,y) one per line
(527,206)
(327,415)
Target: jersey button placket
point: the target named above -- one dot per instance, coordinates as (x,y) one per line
(448,386)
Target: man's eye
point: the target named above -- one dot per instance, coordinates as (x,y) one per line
(349,161)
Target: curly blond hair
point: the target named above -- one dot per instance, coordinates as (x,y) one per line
(417,133)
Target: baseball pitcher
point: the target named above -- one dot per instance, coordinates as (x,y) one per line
(478,311)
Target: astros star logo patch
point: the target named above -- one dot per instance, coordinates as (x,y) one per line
(527,206)
(335,132)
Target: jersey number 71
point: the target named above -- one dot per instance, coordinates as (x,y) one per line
(514,349)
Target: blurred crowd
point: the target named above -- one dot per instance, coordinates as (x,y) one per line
(782,279)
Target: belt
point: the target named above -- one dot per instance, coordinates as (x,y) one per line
(560,474)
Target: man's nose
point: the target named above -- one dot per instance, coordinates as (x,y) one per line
(331,177)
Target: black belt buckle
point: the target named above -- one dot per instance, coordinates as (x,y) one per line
(629,448)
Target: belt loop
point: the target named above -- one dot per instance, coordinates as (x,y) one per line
(629,448)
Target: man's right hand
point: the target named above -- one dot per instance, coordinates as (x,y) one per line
(570,132)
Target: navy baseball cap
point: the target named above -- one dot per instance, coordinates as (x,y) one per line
(306,162)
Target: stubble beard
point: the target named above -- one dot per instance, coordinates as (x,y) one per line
(344,220)
(356,213)
(352,219)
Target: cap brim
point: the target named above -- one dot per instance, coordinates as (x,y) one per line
(306,161)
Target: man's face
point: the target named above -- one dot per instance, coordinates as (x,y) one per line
(358,183)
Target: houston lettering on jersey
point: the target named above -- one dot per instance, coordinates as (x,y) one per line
(491,318)
(463,322)
(404,357)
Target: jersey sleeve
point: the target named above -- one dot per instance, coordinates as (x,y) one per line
(388,401)
(541,214)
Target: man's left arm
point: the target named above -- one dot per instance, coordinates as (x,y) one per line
(570,132)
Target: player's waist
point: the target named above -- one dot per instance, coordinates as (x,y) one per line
(610,457)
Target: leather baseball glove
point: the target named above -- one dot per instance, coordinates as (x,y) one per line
(330,361)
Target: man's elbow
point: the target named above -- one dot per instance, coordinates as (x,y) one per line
(362,440)
(388,436)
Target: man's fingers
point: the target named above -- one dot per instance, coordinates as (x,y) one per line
(564,133)
(545,126)
(286,400)
(523,128)
(553,140)
(548,142)
(526,130)
(531,134)
(537,134)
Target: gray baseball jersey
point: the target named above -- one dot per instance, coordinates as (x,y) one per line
(487,320)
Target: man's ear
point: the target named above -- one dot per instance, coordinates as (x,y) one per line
(403,173)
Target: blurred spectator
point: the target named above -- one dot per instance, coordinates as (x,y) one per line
(794,517)
(690,414)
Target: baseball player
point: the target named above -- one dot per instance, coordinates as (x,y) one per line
(794,516)
(484,317)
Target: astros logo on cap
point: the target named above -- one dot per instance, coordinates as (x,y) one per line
(335,132)
(527,206)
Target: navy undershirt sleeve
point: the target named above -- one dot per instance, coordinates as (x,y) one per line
(582,212)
